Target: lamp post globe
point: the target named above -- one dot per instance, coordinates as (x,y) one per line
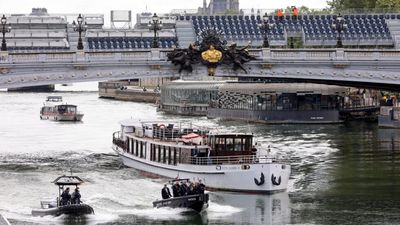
(4,29)
(155,25)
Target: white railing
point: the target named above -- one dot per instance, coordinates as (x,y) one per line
(240,159)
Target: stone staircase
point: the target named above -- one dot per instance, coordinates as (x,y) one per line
(394,27)
(185,33)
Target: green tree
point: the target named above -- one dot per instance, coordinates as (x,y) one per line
(388,4)
(351,5)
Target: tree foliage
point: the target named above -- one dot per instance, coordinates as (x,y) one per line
(388,4)
(362,5)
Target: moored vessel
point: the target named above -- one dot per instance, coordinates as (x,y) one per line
(224,161)
(55,109)
(61,205)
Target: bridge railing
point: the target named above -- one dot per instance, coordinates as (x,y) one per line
(155,55)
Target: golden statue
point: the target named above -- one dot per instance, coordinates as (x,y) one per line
(212,56)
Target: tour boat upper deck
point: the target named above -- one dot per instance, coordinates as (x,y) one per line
(188,135)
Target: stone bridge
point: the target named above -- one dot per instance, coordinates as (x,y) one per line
(351,67)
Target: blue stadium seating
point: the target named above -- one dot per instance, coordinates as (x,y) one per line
(95,43)
(363,30)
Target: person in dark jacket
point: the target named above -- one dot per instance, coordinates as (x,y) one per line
(202,187)
(183,189)
(175,189)
(65,197)
(76,197)
(165,193)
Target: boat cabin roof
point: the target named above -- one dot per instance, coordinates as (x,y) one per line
(68,180)
(54,99)
(175,180)
(66,105)
(130,123)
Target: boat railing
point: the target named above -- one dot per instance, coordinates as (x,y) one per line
(170,133)
(48,204)
(118,141)
(241,159)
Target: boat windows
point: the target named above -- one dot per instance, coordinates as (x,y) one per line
(159,153)
(66,109)
(231,143)
(142,149)
(129,150)
(164,154)
(176,155)
(169,155)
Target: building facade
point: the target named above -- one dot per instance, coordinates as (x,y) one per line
(219,7)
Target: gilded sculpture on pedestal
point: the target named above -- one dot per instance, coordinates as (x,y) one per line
(211,51)
(211,57)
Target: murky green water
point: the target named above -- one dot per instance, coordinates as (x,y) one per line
(341,174)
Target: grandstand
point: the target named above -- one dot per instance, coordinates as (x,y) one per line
(37,31)
(40,31)
(315,30)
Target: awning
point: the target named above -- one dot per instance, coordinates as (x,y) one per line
(190,136)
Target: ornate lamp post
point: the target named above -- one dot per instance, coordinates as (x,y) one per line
(80,28)
(155,25)
(339,25)
(266,27)
(4,30)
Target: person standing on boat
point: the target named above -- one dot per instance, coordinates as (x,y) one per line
(65,197)
(183,189)
(165,193)
(76,197)
(175,189)
(202,187)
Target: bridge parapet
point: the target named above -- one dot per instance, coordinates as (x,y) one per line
(266,55)
(378,67)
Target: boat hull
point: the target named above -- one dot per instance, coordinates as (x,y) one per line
(197,202)
(76,210)
(265,178)
(61,117)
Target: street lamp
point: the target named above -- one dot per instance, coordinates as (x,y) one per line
(339,25)
(80,28)
(155,25)
(266,27)
(4,30)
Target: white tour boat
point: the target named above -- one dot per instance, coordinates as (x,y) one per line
(223,161)
(55,109)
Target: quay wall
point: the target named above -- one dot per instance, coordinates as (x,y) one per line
(124,91)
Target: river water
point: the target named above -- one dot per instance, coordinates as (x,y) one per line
(341,174)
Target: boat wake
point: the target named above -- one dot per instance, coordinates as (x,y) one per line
(115,192)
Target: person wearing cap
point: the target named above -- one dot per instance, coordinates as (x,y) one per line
(76,197)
